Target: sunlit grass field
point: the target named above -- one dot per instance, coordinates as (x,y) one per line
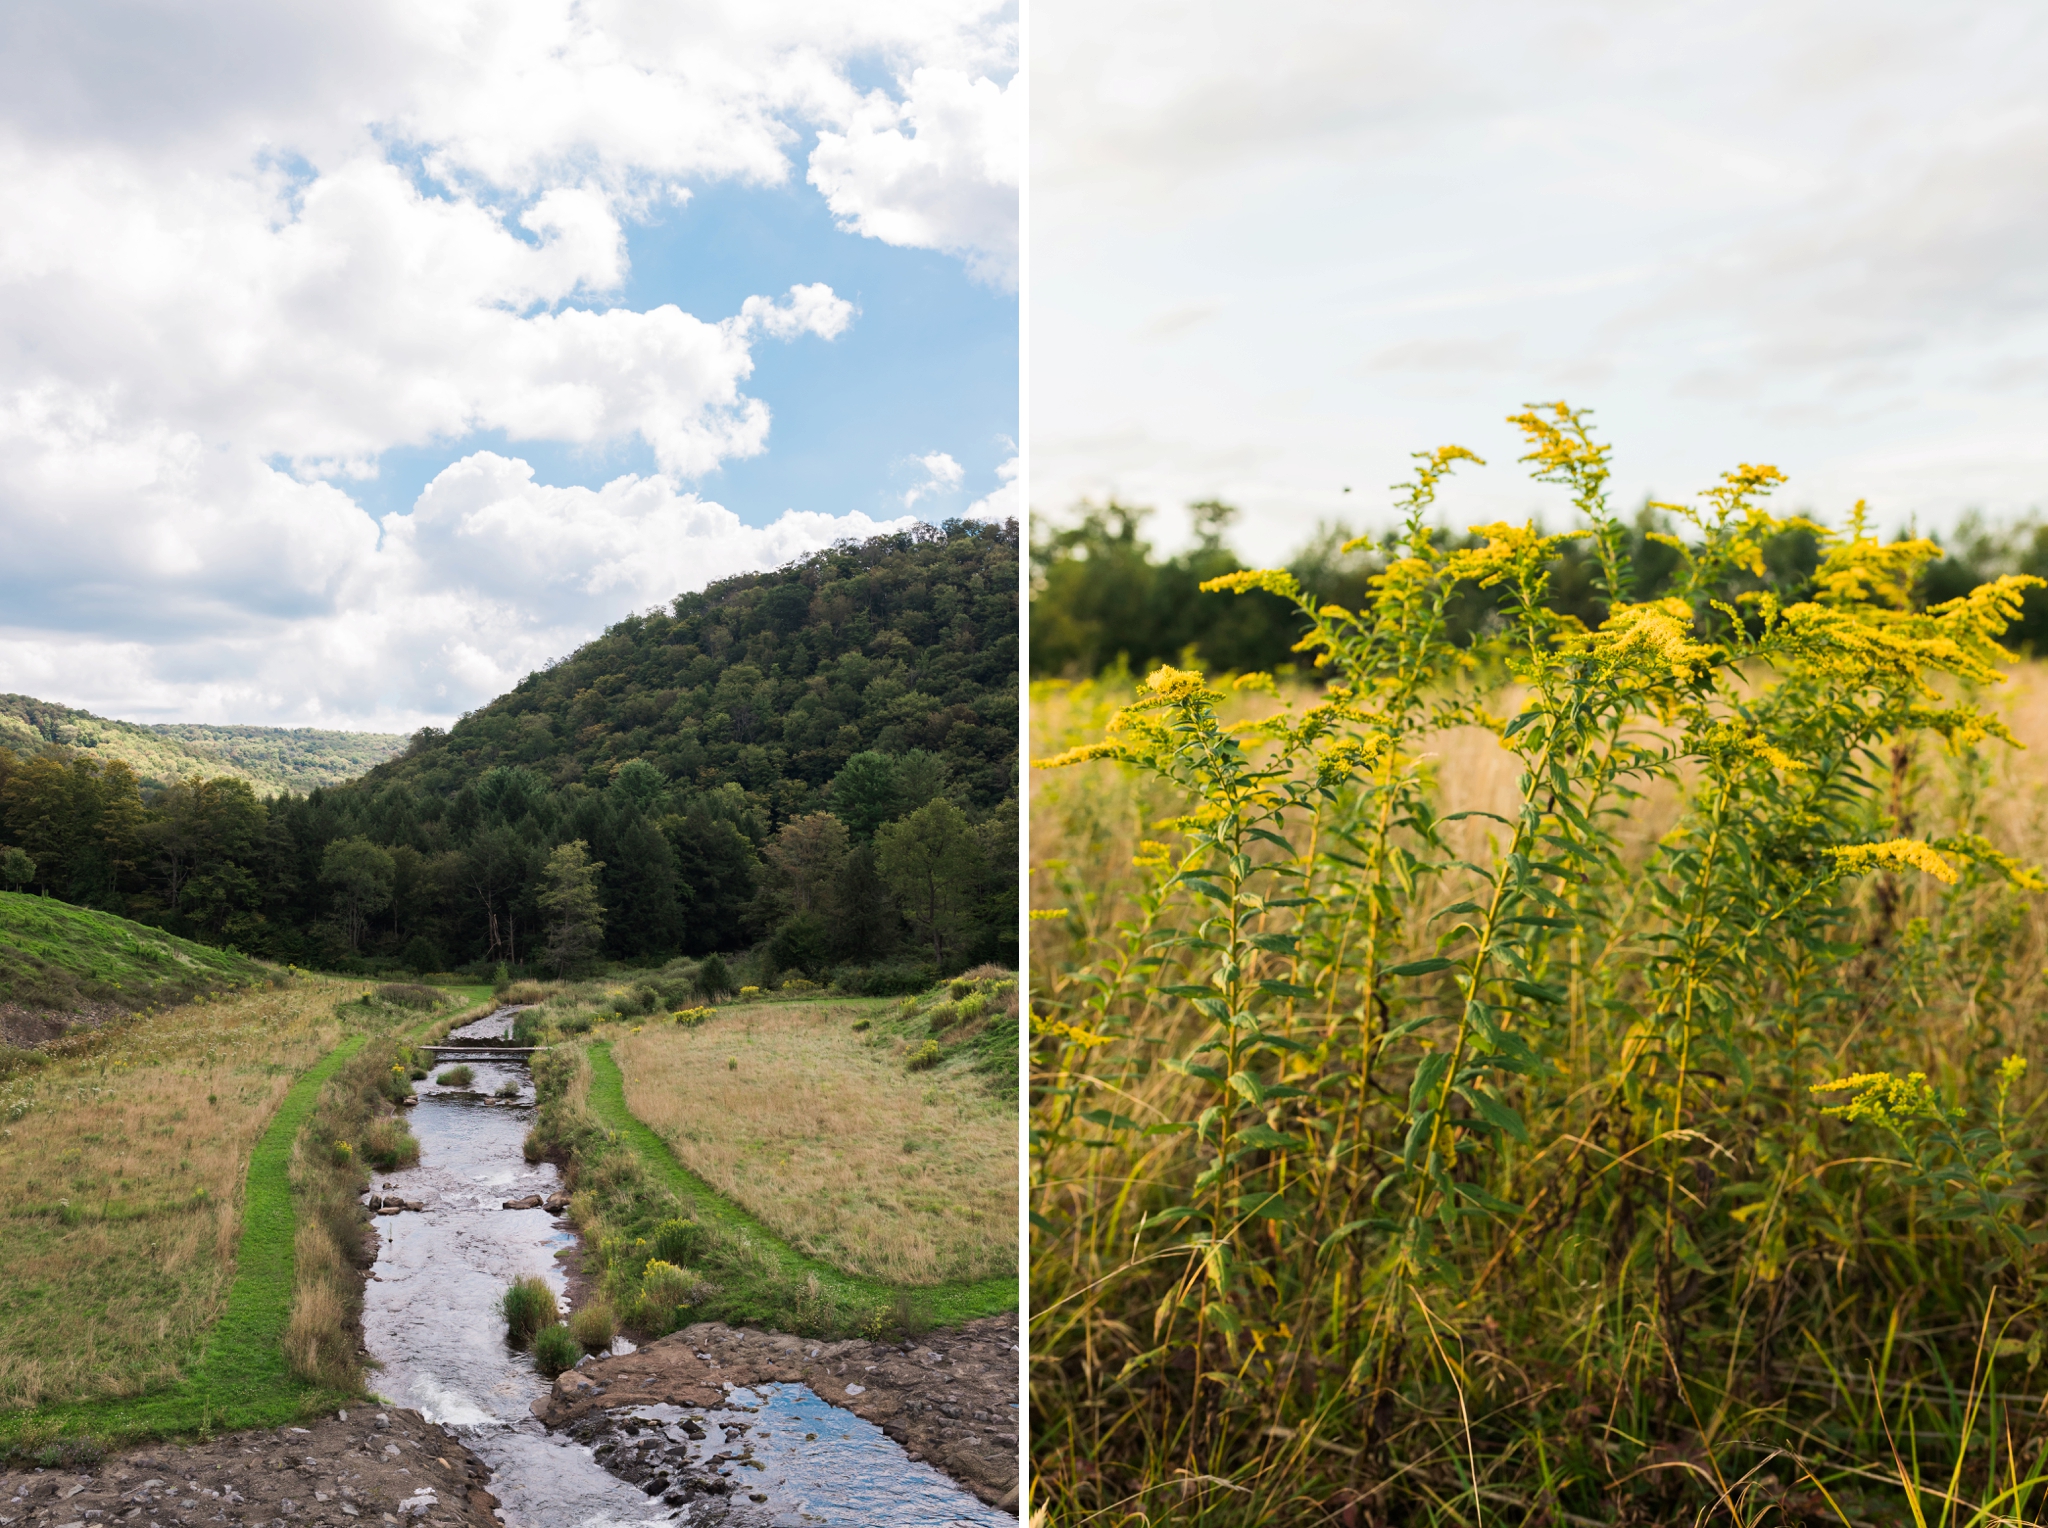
(822,1133)
(121,1174)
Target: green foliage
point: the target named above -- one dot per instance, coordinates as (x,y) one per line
(926,1056)
(933,860)
(529,1308)
(573,905)
(1422,1126)
(360,875)
(713,979)
(456,1077)
(666,1293)
(555,1348)
(16,868)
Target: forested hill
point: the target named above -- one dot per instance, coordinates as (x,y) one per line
(815,766)
(771,681)
(273,758)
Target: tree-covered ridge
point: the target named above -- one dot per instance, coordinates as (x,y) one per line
(818,763)
(772,681)
(275,758)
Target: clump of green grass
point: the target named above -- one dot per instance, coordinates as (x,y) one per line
(411,995)
(1576,1077)
(529,1307)
(555,1348)
(456,1077)
(666,1293)
(388,1143)
(924,1057)
(595,1326)
(509,1088)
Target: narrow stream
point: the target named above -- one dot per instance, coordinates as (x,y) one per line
(431,1320)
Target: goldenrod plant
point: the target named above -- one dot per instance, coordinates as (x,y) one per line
(1651,1143)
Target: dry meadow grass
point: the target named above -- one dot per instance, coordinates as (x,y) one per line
(907,1177)
(122,1171)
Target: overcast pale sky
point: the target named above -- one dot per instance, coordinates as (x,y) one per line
(355,359)
(1275,249)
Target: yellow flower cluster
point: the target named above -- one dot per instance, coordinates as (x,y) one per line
(1894,854)
(1883,1099)
(1073,1034)
(1273,580)
(1655,635)
(1048,914)
(1979,850)
(690,1018)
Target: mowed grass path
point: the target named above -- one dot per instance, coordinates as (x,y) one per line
(947,1301)
(149,1214)
(820,1133)
(121,1173)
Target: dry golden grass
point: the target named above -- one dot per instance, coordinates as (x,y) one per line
(1086,824)
(115,1264)
(905,1177)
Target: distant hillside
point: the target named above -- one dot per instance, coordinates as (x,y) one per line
(270,758)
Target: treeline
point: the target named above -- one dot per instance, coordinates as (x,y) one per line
(822,758)
(1100,593)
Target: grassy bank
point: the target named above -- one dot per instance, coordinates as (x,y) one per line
(827,1135)
(627,1187)
(230,1306)
(57,957)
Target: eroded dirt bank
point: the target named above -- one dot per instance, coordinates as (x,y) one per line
(950,1397)
(382,1465)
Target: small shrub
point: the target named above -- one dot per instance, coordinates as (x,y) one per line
(690,1018)
(397,1083)
(555,1348)
(533,1148)
(344,1154)
(523,992)
(925,1057)
(797,984)
(594,1327)
(664,1290)
(679,1241)
(860,1025)
(509,1088)
(972,1007)
(941,1016)
(388,1144)
(529,1307)
(411,995)
(713,979)
(527,1026)
(747,992)
(456,1077)
(646,1000)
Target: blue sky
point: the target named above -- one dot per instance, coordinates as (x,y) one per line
(929,364)
(355,361)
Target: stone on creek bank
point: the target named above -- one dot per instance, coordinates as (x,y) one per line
(391,1204)
(949,1397)
(554,1202)
(381,1461)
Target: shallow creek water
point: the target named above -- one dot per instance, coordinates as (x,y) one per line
(431,1320)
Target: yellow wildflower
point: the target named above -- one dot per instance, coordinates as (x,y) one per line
(1882,1099)
(1071,1033)
(1894,854)
(1048,914)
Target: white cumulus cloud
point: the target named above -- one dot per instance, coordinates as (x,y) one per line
(941,475)
(1005,502)
(253,247)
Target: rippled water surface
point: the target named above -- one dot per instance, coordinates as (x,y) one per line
(431,1320)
